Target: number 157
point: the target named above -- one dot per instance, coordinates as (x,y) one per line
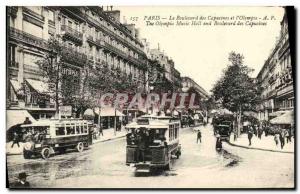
(134,19)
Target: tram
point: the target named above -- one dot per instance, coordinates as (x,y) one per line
(152,143)
(45,137)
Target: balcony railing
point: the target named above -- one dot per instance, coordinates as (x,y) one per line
(283,48)
(32,69)
(27,38)
(12,11)
(114,34)
(36,105)
(29,11)
(271,93)
(74,57)
(52,23)
(72,33)
(13,64)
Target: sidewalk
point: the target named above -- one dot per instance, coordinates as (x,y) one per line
(265,143)
(15,150)
(108,134)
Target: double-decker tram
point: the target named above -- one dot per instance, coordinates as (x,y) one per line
(151,143)
(45,137)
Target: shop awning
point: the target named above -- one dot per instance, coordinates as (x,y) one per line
(287,118)
(277,113)
(39,86)
(108,112)
(15,117)
(17,87)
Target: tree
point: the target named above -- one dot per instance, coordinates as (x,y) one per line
(61,87)
(236,90)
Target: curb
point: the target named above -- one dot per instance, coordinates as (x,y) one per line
(261,149)
(109,139)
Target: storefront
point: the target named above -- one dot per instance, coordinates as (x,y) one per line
(108,117)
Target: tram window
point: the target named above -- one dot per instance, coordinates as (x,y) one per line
(60,131)
(70,130)
(81,128)
(85,128)
(78,129)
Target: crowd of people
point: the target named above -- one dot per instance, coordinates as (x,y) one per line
(282,135)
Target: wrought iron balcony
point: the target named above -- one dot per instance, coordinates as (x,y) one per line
(272,79)
(52,23)
(283,48)
(114,34)
(32,13)
(12,11)
(72,34)
(74,57)
(32,69)
(27,38)
(13,64)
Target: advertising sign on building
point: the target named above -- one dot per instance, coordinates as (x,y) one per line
(65,110)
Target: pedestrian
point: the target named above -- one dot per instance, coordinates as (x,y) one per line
(260,131)
(22,181)
(289,136)
(199,135)
(27,121)
(276,138)
(218,142)
(16,139)
(250,135)
(281,138)
(95,129)
(100,131)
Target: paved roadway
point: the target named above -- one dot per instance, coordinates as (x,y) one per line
(200,166)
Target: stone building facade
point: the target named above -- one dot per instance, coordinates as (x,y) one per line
(275,78)
(90,34)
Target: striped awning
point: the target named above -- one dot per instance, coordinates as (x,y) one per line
(15,117)
(285,119)
(38,86)
(17,87)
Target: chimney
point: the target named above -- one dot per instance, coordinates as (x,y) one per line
(137,33)
(114,13)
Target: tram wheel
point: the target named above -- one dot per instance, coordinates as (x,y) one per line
(80,147)
(45,153)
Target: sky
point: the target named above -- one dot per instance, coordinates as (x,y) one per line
(201,52)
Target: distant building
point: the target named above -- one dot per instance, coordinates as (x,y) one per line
(275,78)
(168,66)
(188,83)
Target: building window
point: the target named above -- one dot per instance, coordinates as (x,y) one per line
(70,24)
(51,15)
(12,55)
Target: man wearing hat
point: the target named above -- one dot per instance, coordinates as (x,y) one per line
(22,182)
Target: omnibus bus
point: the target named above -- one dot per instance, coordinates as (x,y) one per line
(151,143)
(45,137)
